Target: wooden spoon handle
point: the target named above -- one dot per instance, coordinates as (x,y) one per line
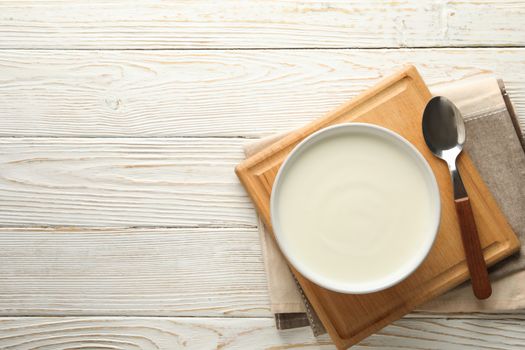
(474,254)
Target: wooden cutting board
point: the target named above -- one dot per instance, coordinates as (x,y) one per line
(396,103)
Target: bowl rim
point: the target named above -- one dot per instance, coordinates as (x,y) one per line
(435,200)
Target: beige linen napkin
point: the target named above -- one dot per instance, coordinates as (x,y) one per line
(493,142)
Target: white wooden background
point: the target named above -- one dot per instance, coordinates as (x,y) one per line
(122,224)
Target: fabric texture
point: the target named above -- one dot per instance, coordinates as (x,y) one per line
(495,144)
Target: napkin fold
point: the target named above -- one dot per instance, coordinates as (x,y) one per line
(495,144)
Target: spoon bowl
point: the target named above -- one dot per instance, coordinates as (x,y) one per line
(443,128)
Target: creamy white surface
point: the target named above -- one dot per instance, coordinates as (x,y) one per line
(354,209)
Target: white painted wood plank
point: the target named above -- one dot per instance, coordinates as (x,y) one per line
(130,333)
(139,272)
(204,272)
(175,272)
(212,93)
(262,24)
(122,182)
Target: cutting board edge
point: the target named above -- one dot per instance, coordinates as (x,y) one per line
(408,71)
(251,182)
(505,250)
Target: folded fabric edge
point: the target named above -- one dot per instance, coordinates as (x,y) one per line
(512,113)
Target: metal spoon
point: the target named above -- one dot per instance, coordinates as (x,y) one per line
(444,133)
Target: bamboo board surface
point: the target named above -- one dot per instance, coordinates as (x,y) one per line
(396,103)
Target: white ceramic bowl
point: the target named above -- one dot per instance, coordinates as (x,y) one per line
(427,238)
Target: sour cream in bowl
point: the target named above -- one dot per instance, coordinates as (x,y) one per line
(355,208)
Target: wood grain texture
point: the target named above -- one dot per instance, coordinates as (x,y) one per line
(172,272)
(261,24)
(106,89)
(471,245)
(212,93)
(130,271)
(122,182)
(397,103)
(132,333)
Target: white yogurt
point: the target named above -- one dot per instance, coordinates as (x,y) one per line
(355,210)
